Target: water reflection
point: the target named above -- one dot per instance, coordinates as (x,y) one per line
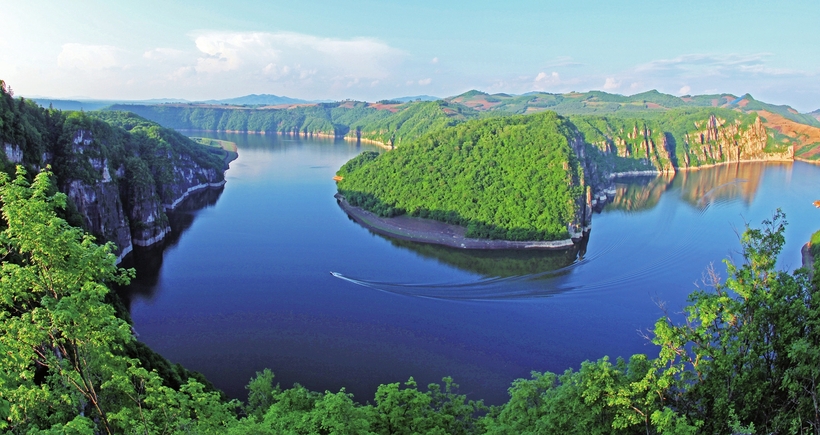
(147,261)
(501,269)
(698,188)
(499,263)
(504,274)
(639,193)
(724,183)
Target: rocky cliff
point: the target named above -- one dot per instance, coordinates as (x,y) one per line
(120,172)
(123,199)
(97,198)
(717,141)
(680,140)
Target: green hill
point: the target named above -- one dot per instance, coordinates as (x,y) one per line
(514,178)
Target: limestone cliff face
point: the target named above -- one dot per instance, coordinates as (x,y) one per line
(188,177)
(592,176)
(96,196)
(636,144)
(126,204)
(13,153)
(146,216)
(717,141)
(650,146)
(633,147)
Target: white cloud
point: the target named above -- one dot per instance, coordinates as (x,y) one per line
(434,61)
(543,77)
(88,57)
(610,84)
(425,82)
(685,90)
(184,72)
(714,65)
(544,81)
(331,58)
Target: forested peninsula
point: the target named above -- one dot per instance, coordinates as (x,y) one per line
(513,178)
(538,177)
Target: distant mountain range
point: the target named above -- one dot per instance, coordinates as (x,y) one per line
(259,100)
(247,100)
(592,102)
(416,98)
(599,103)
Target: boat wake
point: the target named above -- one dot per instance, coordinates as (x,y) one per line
(514,287)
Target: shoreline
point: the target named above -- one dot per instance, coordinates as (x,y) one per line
(370,141)
(656,172)
(421,230)
(280,133)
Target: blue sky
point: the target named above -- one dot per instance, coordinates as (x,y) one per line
(371,50)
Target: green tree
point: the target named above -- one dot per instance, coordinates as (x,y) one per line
(58,335)
(747,355)
(62,363)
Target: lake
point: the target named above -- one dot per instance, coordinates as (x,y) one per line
(244,282)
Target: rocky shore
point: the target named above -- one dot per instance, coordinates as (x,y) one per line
(430,231)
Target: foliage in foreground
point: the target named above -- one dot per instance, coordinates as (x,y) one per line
(744,361)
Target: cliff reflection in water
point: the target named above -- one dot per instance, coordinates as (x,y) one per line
(494,263)
(698,188)
(147,261)
(505,274)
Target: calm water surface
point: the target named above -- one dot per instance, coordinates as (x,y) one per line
(244,283)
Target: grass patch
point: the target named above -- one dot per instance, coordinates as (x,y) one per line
(226,150)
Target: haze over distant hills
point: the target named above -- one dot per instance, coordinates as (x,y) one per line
(573,102)
(259,100)
(416,98)
(247,100)
(91,104)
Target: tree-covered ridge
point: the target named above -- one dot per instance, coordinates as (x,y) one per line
(515,178)
(311,119)
(415,120)
(393,122)
(165,139)
(43,134)
(744,361)
(598,102)
(389,124)
(679,138)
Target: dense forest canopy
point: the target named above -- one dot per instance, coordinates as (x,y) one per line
(515,178)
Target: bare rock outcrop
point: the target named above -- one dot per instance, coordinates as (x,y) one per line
(718,141)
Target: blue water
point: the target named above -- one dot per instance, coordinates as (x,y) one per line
(244,284)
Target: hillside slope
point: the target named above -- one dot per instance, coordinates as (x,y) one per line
(722,119)
(682,138)
(120,172)
(514,178)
